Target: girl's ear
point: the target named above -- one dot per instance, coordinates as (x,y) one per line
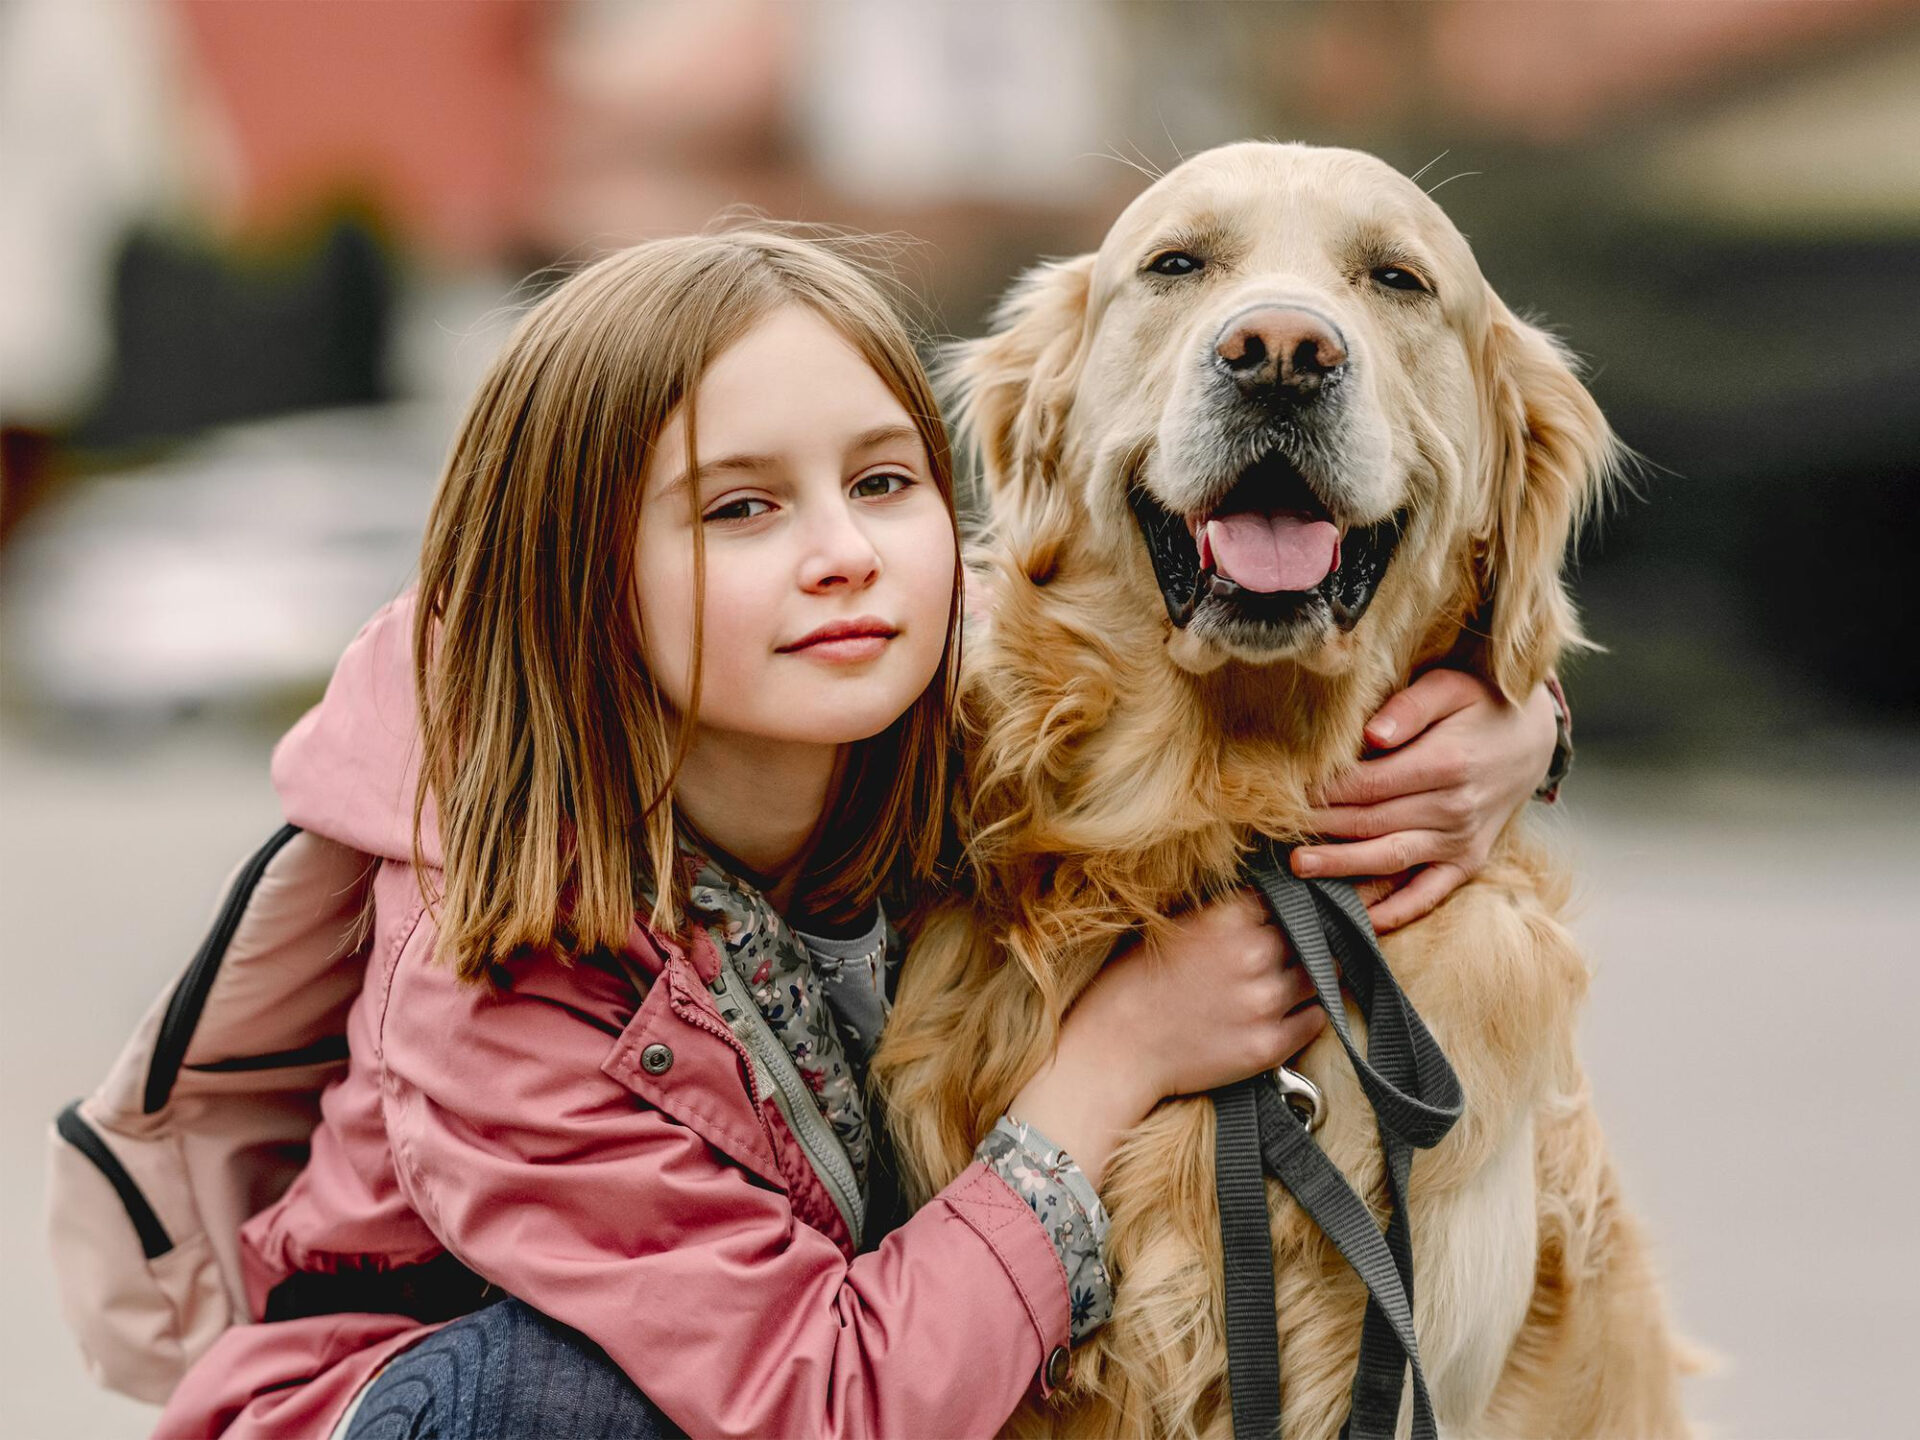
(1550,459)
(1011,388)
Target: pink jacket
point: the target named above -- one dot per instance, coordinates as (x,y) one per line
(667,1216)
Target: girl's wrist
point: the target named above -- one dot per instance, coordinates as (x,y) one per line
(1083,1100)
(1104,1036)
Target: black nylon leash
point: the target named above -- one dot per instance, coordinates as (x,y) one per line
(1239,1179)
(1416,1099)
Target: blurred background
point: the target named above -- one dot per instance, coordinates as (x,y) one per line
(253,257)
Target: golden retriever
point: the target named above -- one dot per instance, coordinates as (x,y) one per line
(1272,449)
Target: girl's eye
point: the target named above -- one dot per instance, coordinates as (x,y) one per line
(737,510)
(888,482)
(1176,262)
(1395,278)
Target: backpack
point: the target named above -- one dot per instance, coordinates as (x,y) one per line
(206,1116)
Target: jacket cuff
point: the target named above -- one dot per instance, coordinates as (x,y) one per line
(1058,1192)
(985,1202)
(1562,762)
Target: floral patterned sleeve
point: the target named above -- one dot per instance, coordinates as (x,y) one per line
(1050,1181)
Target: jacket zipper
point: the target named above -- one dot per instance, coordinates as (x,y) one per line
(821,1146)
(767,1061)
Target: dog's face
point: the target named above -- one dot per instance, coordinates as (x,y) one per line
(1289,401)
(1278,323)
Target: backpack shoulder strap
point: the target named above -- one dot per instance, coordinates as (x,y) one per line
(206,1114)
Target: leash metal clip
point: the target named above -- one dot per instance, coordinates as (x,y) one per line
(1303,1097)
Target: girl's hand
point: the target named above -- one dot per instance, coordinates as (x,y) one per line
(1219,997)
(1214,1000)
(1458,762)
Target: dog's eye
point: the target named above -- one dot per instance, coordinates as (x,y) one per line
(1176,262)
(1395,278)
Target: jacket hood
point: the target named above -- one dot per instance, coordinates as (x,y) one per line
(348,769)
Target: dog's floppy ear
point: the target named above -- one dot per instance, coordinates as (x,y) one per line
(1550,457)
(1011,388)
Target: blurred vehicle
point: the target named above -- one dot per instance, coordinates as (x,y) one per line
(227,575)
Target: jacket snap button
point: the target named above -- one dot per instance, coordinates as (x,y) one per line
(1057,1365)
(656,1059)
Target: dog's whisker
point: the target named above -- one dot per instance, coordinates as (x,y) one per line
(1160,115)
(1429,165)
(1460,176)
(1114,154)
(1146,160)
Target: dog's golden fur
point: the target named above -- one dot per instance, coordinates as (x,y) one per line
(1118,766)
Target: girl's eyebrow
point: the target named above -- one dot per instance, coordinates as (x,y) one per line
(882,435)
(751,464)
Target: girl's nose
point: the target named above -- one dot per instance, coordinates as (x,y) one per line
(838,554)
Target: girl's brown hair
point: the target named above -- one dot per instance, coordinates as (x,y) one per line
(549,752)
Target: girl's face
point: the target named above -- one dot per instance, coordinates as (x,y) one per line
(829,552)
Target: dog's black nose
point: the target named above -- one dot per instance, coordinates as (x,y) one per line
(1277,351)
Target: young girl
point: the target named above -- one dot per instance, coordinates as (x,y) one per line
(667,717)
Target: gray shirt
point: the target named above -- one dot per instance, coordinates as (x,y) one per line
(853,975)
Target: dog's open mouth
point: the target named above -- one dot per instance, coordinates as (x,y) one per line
(1268,552)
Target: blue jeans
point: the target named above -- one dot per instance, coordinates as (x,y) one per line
(503,1373)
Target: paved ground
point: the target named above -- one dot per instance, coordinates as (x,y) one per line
(1749,1036)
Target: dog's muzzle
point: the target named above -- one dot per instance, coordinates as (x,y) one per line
(1272,489)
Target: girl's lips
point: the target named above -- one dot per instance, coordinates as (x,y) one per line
(844,640)
(847,649)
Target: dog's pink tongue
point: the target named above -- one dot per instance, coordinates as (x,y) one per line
(1268,553)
